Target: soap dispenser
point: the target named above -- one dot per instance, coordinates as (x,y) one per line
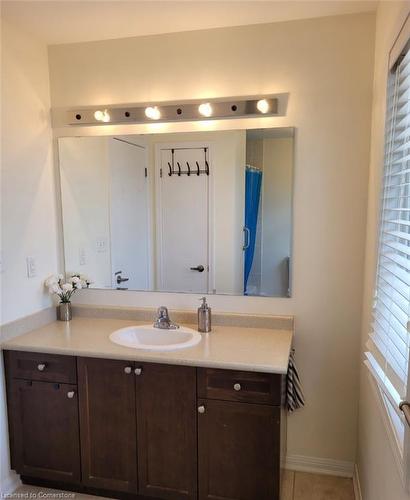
(204,317)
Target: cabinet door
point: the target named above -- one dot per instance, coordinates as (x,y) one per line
(166,423)
(238,451)
(44,433)
(107,424)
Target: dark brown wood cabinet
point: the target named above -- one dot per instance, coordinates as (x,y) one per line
(238,451)
(107,424)
(44,430)
(166,430)
(138,430)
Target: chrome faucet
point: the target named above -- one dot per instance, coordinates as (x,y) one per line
(163,322)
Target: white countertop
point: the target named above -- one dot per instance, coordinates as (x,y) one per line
(229,347)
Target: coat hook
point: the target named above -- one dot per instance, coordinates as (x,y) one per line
(189,169)
(179,169)
(170,169)
(197,168)
(206,167)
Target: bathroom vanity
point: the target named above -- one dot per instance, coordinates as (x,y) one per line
(91,416)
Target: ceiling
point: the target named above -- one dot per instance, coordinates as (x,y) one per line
(62,21)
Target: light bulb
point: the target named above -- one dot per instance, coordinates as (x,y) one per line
(205,109)
(263,106)
(102,116)
(153,112)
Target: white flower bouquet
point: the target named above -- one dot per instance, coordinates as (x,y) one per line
(65,288)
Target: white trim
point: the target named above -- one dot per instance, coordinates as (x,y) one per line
(9,484)
(356,483)
(317,465)
(388,426)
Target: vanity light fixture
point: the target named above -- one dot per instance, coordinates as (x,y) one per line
(205,109)
(102,116)
(235,107)
(263,106)
(153,112)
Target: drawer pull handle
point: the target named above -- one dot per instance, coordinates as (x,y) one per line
(128,370)
(41,367)
(70,394)
(237,387)
(201,409)
(138,371)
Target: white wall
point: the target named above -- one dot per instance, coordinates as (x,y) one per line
(326,66)
(276,214)
(377,468)
(85,198)
(27,198)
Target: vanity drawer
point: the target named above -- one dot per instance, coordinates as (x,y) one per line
(247,387)
(43,367)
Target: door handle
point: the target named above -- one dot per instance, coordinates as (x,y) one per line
(119,278)
(199,268)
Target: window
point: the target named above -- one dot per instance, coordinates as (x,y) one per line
(389,340)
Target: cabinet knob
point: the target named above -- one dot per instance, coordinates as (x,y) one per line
(41,367)
(128,369)
(237,387)
(201,409)
(138,371)
(70,394)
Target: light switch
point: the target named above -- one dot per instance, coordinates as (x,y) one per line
(101,245)
(31,267)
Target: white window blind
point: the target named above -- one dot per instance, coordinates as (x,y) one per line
(389,340)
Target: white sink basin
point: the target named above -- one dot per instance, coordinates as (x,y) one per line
(153,339)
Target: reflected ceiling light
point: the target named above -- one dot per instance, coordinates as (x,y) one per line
(102,116)
(153,112)
(263,106)
(205,109)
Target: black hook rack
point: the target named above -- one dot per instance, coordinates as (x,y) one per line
(178,170)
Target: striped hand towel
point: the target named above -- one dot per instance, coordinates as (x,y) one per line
(294,393)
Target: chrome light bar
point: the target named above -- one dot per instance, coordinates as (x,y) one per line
(192,111)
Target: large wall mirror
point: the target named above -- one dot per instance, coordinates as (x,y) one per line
(199,212)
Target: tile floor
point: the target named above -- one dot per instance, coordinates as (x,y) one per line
(297,486)
(304,486)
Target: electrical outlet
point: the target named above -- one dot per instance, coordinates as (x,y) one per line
(82,256)
(31,267)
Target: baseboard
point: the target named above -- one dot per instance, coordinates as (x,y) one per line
(319,465)
(9,484)
(356,484)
